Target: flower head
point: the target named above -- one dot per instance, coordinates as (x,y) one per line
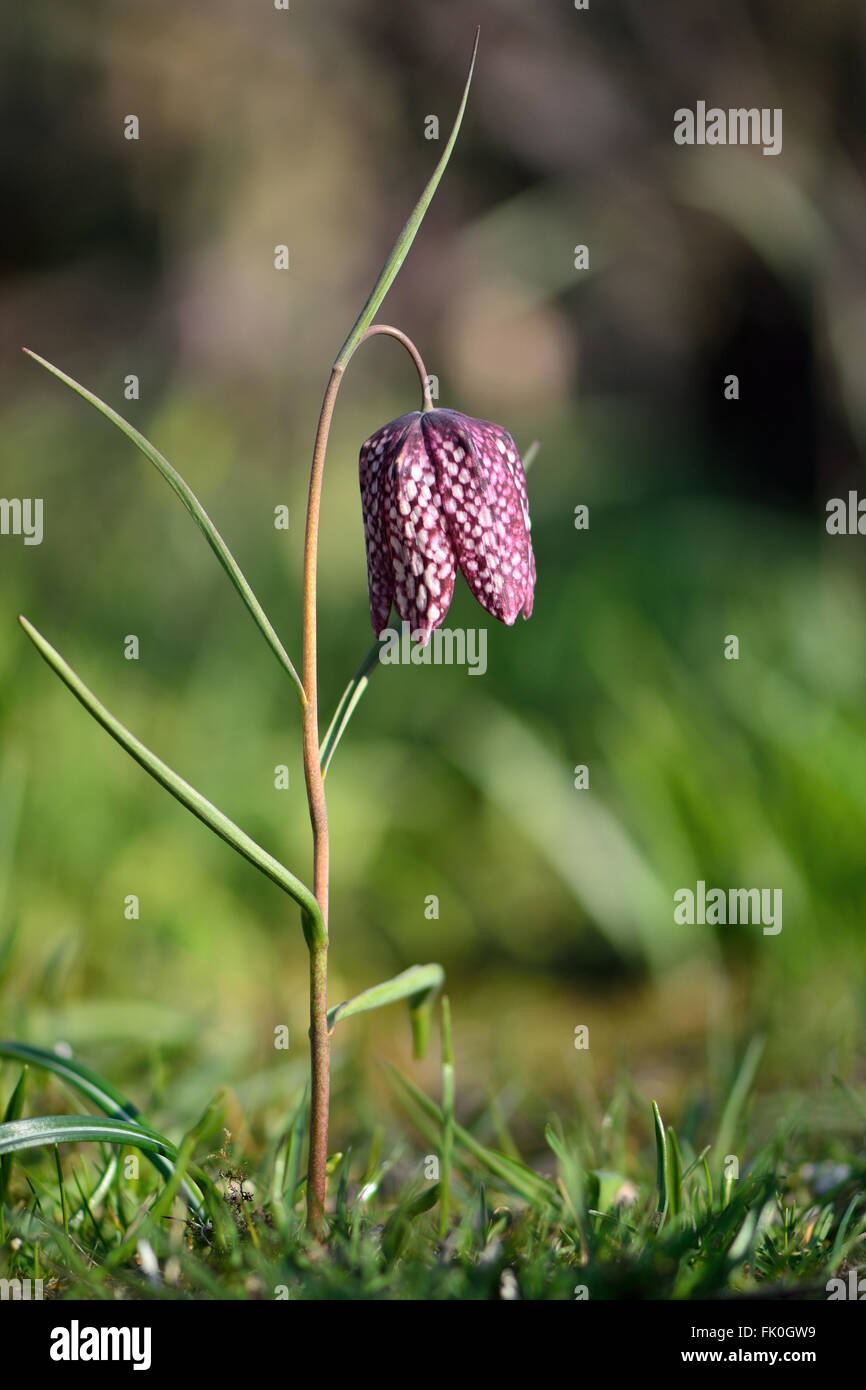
(442,492)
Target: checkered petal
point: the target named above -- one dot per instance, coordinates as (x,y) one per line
(377,457)
(440,490)
(483,492)
(422,554)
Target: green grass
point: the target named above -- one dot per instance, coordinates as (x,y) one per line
(555,910)
(628,1206)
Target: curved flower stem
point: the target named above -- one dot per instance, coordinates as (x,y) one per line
(314,778)
(427,400)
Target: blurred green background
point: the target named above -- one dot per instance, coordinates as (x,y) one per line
(307,127)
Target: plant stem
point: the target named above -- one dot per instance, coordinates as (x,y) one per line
(320,1072)
(376,328)
(314,778)
(319,1043)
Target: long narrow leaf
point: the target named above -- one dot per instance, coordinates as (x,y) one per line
(163,1204)
(401,246)
(187,795)
(196,511)
(348,703)
(50,1130)
(447,1118)
(419,984)
(674,1173)
(43,1130)
(661,1160)
(109,1100)
(101,1093)
(12,1112)
(737,1098)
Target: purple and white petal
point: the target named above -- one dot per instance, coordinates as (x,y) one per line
(477,464)
(376,458)
(439,490)
(421,551)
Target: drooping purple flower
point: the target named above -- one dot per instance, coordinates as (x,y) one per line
(441,491)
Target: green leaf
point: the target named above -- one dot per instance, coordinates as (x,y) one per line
(447,1141)
(419,984)
(163,1204)
(573,1180)
(737,1097)
(78,1129)
(746,1241)
(399,1224)
(196,511)
(81,1078)
(187,795)
(840,1246)
(346,708)
(12,1112)
(661,1159)
(401,246)
(674,1173)
(100,1092)
(293,1153)
(16,1135)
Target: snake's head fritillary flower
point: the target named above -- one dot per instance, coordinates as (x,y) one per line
(442,492)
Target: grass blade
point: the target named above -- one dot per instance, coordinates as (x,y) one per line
(12,1112)
(661,1160)
(674,1174)
(187,795)
(293,1153)
(399,1225)
(404,241)
(163,1204)
(737,1097)
(16,1135)
(81,1078)
(101,1094)
(447,1119)
(196,511)
(64,1214)
(839,1247)
(571,1183)
(534,1189)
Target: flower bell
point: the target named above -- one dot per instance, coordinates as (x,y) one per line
(441,491)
